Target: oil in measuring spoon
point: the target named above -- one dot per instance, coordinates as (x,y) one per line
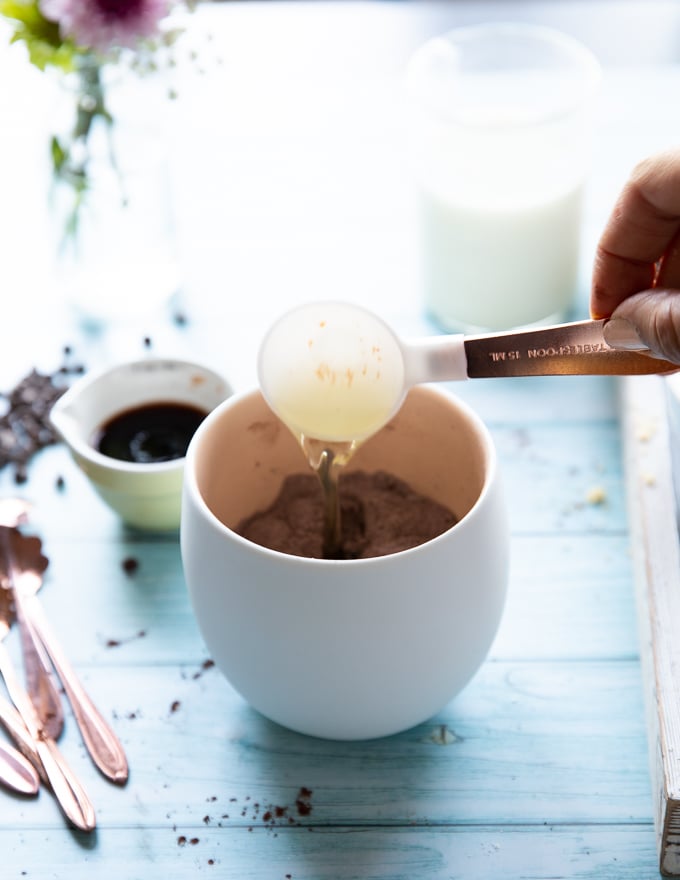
(327,458)
(331,370)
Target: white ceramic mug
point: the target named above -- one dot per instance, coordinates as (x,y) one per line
(147,496)
(348,649)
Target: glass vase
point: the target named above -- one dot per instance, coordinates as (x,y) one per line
(110,201)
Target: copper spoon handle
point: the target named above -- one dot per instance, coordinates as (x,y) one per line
(576,349)
(16,772)
(70,794)
(101,742)
(40,682)
(37,669)
(15,727)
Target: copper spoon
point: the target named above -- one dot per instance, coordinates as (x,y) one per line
(69,792)
(102,743)
(40,682)
(12,512)
(18,769)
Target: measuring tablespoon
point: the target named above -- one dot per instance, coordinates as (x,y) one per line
(335,371)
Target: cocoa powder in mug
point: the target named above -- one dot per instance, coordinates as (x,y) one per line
(380,514)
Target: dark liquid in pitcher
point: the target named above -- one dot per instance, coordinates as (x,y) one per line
(153,432)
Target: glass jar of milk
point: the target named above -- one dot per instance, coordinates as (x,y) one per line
(501,133)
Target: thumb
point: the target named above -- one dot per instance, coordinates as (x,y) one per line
(650,318)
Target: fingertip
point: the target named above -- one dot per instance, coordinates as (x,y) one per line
(622,335)
(602,304)
(656,316)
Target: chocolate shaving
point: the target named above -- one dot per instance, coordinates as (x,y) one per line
(25,427)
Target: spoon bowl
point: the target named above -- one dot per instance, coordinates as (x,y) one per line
(332,371)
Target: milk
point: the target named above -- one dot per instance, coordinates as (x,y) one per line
(493,265)
(501,132)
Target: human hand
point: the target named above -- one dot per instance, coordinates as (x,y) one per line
(636,277)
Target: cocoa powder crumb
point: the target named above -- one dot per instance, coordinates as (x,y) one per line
(116,643)
(130,565)
(207,664)
(302,802)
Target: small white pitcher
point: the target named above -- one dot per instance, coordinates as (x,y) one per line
(145,495)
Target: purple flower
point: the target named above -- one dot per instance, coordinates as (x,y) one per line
(106,24)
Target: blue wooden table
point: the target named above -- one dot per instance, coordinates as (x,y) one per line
(290,183)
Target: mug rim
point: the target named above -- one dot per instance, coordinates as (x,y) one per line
(191,488)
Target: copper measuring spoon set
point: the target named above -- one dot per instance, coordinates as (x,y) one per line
(34,718)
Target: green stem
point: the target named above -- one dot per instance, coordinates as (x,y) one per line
(71,156)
